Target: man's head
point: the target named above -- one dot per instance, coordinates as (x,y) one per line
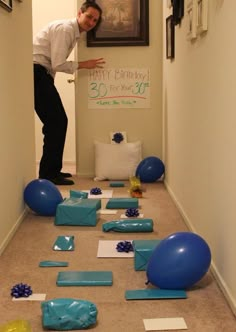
(89,16)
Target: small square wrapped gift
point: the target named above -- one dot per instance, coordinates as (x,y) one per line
(143,250)
(78,212)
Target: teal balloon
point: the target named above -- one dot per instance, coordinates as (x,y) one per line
(42,196)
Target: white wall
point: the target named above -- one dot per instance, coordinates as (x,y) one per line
(17,165)
(199,135)
(139,124)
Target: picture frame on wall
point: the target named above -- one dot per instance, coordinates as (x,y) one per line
(178,11)
(124,23)
(170,37)
(191,11)
(202,16)
(6,4)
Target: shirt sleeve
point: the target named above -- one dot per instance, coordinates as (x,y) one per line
(62,43)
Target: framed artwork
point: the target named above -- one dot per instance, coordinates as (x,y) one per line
(202,13)
(170,37)
(7,4)
(192,19)
(178,11)
(124,23)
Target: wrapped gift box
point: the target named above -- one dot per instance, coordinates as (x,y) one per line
(84,278)
(78,194)
(142,252)
(122,203)
(78,212)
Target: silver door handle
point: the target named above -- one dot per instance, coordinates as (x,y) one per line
(70,80)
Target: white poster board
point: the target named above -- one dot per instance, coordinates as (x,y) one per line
(119,88)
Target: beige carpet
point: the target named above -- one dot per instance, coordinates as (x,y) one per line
(205,309)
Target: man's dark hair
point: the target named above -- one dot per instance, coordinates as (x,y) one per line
(93,4)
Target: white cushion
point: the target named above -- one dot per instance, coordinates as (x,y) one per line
(116,161)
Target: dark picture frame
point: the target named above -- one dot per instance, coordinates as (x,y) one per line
(178,11)
(7,4)
(125,23)
(170,37)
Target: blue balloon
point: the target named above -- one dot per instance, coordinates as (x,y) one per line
(179,261)
(150,169)
(42,196)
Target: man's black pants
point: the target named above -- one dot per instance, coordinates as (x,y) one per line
(50,110)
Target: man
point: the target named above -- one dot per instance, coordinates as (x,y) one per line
(51,48)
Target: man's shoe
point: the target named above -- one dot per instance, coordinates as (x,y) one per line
(61,181)
(65,175)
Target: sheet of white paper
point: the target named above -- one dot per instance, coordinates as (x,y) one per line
(107,211)
(124,216)
(158,324)
(105,194)
(33,297)
(107,248)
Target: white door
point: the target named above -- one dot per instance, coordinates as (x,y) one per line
(43,12)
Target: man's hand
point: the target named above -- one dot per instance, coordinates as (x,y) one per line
(91,64)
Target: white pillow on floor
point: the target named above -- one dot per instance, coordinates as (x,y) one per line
(116,161)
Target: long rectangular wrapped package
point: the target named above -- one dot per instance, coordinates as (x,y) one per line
(122,203)
(84,278)
(143,250)
(152,294)
(78,212)
(132,225)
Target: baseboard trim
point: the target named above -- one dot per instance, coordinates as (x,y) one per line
(223,287)
(85,175)
(220,281)
(13,231)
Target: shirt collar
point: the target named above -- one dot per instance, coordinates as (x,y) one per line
(76,27)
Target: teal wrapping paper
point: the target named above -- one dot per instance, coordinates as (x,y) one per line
(122,203)
(117,184)
(142,252)
(65,314)
(53,264)
(129,225)
(78,212)
(155,293)
(64,243)
(84,278)
(78,194)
